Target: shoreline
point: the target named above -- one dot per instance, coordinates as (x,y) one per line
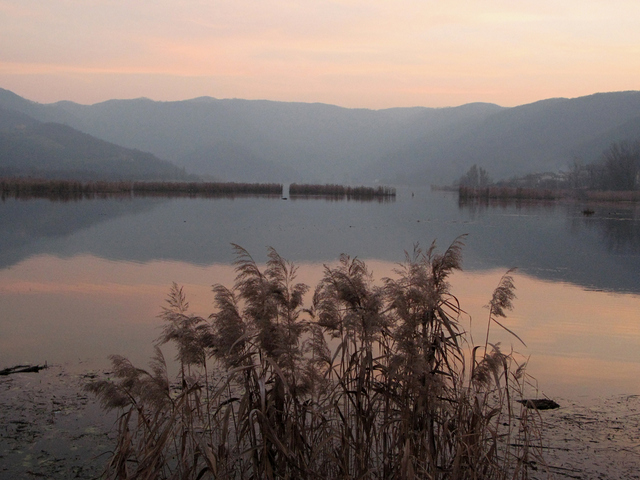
(51,428)
(504,193)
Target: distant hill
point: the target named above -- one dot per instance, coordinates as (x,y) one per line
(29,147)
(542,136)
(242,140)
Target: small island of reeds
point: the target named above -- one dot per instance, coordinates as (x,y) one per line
(332,190)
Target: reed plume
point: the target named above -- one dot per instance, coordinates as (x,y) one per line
(370,381)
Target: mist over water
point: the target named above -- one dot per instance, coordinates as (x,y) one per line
(88,278)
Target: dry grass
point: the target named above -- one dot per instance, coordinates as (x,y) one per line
(349,192)
(512,193)
(367,382)
(63,190)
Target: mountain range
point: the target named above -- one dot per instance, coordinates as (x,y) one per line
(258,140)
(29,147)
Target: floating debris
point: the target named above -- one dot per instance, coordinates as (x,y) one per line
(539,403)
(23,369)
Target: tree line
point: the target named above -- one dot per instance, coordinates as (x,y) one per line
(617,169)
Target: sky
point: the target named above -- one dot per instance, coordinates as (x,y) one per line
(353,53)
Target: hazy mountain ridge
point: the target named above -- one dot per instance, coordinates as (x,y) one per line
(245,140)
(543,136)
(54,150)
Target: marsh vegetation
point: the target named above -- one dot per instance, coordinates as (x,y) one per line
(25,188)
(372,379)
(547,194)
(614,177)
(341,190)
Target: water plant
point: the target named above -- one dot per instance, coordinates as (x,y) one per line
(372,380)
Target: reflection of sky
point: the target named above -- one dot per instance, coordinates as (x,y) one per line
(63,310)
(579,341)
(87,279)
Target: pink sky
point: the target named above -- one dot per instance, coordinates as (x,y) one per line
(353,53)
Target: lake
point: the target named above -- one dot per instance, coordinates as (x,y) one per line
(85,279)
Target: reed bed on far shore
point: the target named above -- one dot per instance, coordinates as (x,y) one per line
(513,193)
(25,188)
(206,188)
(371,380)
(65,190)
(77,190)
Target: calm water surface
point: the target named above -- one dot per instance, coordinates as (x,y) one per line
(82,280)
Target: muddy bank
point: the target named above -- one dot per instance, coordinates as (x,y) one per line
(50,428)
(593,439)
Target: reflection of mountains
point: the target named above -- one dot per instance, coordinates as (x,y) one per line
(558,242)
(617,224)
(549,241)
(31,227)
(619,227)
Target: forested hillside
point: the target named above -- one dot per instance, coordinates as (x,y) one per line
(51,150)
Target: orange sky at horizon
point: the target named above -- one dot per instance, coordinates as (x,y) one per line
(352,53)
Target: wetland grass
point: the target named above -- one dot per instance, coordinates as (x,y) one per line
(497,193)
(65,190)
(372,380)
(341,191)
(25,188)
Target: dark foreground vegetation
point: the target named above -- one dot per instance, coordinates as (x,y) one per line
(369,381)
(76,190)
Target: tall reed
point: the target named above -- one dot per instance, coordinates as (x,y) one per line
(371,381)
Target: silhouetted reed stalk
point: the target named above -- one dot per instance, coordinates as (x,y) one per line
(369,381)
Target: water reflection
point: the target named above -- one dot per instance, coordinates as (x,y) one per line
(88,278)
(34,227)
(579,342)
(85,307)
(552,241)
(618,226)
(556,241)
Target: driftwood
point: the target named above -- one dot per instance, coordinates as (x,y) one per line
(539,403)
(23,369)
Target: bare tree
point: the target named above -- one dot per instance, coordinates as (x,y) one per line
(622,165)
(475,177)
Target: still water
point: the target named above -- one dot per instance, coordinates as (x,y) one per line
(82,280)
